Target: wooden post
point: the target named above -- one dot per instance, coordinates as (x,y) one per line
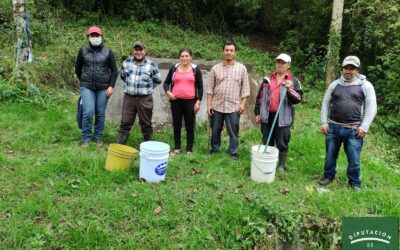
(334,42)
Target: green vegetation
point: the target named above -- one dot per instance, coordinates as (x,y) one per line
(54,194)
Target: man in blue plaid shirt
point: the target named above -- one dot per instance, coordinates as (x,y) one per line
(140,77)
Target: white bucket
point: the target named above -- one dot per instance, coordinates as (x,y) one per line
(263,165)
(153,161)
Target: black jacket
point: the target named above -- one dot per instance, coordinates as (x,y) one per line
(96,67)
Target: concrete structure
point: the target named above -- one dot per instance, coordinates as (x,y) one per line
(162,111)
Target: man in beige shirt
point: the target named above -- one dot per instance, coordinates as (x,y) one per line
(227,94)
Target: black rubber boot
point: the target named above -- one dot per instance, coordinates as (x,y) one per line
(147,137)
(282,162)
(122,138)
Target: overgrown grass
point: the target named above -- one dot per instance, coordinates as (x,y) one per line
(57,41)
(54,194)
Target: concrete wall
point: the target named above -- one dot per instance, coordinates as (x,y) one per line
(162,112)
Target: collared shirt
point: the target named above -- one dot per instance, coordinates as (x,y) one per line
(274,91)
(140,79)
(228,85)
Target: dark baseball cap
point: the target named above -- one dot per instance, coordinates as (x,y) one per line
(138,44)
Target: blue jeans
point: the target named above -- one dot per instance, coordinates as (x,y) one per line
(94,104)
(352,147)
(232,125)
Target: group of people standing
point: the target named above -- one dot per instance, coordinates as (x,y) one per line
(349,102)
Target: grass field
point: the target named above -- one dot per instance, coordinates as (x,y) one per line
(56,195)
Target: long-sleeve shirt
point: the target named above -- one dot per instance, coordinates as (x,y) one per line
(140,79)
(292,97)
(228,85)
(349,104)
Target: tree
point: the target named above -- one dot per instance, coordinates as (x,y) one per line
(22,45)
(334,41)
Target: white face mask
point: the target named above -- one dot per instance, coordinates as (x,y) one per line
(95,41)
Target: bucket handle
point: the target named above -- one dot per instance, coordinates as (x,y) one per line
(157,159)
(255,164)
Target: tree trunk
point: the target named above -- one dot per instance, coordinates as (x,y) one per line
(334,41)
(22,44)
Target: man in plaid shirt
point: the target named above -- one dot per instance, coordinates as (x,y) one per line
(227,94)
(140,77)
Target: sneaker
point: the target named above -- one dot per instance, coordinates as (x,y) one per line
(356,188)
(175,152)
(325,181)
(85,144)
(99,144)
(189,153)
(235,157)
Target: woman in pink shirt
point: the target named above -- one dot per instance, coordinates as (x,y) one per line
(184,88)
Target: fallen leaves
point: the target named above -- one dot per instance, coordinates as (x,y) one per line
(284,191)
(93,209)
(311,189)
(249,197)
(196,171)
(157,210)
(9,150)
(238,188)
(317,177)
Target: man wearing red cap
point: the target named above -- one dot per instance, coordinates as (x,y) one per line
(97,72)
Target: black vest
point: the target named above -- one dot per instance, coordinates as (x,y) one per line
(346,104)
(96,71)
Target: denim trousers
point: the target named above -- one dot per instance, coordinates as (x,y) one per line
(232,125)
(338,135)
(94,103)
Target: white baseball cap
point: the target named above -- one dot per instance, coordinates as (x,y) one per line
(284,57)
(351,60)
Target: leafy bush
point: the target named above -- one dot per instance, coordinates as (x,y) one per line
(293,23)
(200,15)
(22,92)
(373,34)
(6,37)
(9,92)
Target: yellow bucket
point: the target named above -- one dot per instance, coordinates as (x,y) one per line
(120,157)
